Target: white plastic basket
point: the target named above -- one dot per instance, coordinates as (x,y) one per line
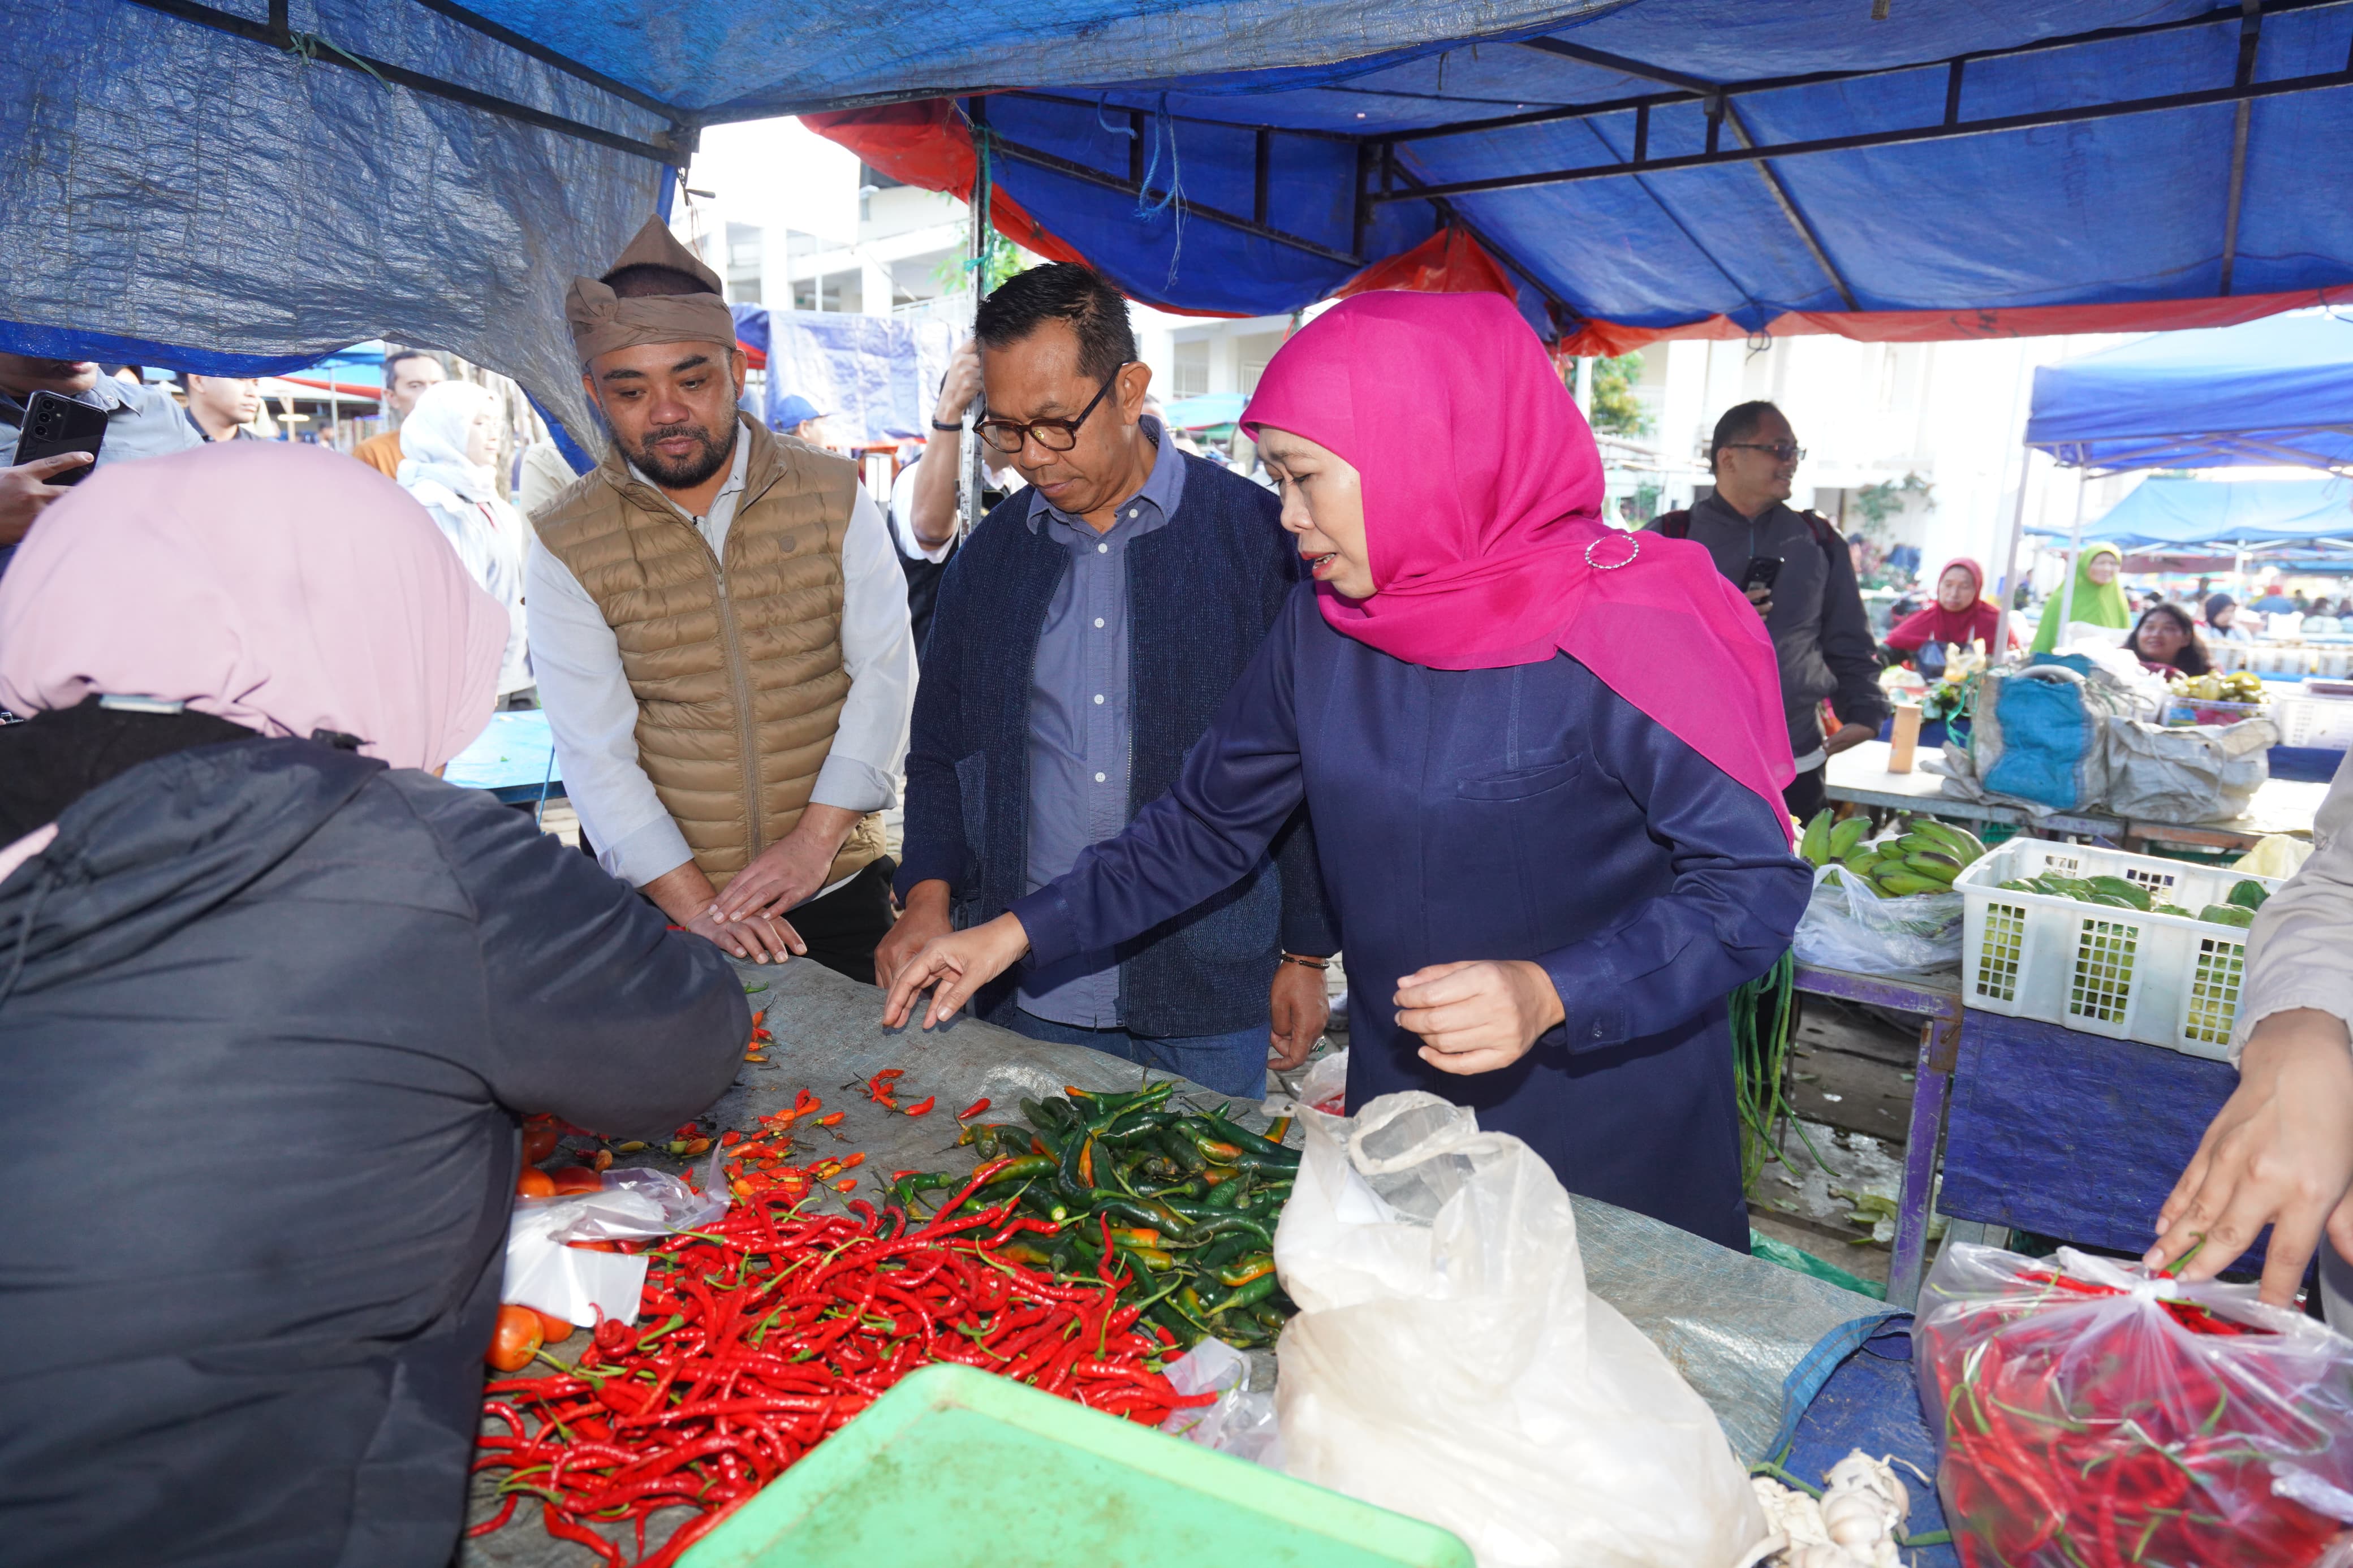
(2323,722)
(2163,980)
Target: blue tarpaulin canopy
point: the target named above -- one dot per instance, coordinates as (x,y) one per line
(2267,394)
(244,186)
(872,378)
(2163,512)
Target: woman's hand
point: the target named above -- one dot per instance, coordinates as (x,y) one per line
(2279,1152)
(957,964)
(1477,1017)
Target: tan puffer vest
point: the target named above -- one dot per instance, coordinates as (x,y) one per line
(737,665)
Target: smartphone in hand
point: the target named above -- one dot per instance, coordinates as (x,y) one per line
(55,425)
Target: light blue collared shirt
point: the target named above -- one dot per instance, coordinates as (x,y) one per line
(1080,723)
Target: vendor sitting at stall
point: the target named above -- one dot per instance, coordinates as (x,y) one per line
(273,997)
(2098,599)
(1960,616)
(2168,639)
(1561,847)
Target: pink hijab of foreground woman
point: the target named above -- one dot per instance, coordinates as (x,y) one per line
(280,586)
(1482,493)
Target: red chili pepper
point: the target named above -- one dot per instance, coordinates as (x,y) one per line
(975,1108)
(832,1119)
(921,1107)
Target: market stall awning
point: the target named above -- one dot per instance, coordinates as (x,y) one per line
(1715,168)
(1207,411)
(2266,393)
(2163,512)
(435,171)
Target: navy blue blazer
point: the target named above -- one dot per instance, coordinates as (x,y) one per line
(1201,592)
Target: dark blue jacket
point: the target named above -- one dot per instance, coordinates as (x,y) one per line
(1201,593)
(1527,812)
(268,1012)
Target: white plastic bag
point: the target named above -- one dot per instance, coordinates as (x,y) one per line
(1448,1362)
(1848,926)
(579,1285)
(1241,1422)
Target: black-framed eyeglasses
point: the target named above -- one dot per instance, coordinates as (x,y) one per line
(1783,451)
(1054,435)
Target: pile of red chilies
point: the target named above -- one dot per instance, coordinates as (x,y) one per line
(2102,1451)
(771,1328)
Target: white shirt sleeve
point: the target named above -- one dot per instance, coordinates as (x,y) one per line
(878,647)
(2297,948)
(594,717)
(902,519)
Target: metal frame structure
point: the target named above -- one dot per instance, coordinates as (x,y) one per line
(1381,177)
(670,146)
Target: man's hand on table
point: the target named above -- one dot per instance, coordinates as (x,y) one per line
(1300,1007)
(1476,1018)
(2279,1152)
(925,918)
(957,964)
(787,872)
(684,894)
(1849,737)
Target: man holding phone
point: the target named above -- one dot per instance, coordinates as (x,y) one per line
(1796,570)
(142,421)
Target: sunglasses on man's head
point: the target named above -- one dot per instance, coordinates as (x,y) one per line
(1783,451)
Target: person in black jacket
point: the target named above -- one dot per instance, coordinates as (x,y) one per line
(1812,608)
(271,999)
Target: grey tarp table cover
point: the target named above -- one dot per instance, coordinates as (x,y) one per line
(1754,1339)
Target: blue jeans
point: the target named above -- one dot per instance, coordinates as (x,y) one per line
(1231,1064)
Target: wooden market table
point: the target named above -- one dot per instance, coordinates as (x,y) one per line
(1936,1001)
(1861,776)
(2035,1127)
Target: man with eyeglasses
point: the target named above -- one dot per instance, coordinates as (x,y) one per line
(1797,573)
(1088,632)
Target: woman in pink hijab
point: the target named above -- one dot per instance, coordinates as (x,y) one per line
(1543,759)
(273,997)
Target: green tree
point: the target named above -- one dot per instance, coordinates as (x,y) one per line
(1615,410)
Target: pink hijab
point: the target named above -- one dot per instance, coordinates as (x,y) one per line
(280,586)
(1482,491)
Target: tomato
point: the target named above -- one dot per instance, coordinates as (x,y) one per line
(576,1179)
(516,1339)
(535,1182)
(552,1328)
(538,1143)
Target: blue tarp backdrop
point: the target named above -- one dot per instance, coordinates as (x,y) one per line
(873,378)
(2173,513)
(213,186)
(2273,393)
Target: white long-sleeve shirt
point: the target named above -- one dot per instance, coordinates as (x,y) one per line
(2300,948)
(594,715)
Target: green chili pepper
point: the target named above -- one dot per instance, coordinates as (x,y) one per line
(1254,1266)
(1257,1290)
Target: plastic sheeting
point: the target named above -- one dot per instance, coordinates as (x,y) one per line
(2094,226)
(180,197)
(2270,392)
(875,379)
(2163,513)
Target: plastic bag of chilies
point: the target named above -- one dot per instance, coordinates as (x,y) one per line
(2095,1416)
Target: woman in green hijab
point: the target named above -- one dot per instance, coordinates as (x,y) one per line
(2098,600)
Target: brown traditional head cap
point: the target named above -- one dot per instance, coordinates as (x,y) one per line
(601,322)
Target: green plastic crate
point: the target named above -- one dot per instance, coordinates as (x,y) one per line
(955,1468)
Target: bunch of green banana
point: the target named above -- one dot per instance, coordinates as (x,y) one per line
(1825,841)
(1923,856)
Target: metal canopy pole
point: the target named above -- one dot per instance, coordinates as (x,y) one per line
(2075,550)
(968,465)
(2009,556)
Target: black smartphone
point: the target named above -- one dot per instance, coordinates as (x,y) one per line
(1762,572)
(55,425)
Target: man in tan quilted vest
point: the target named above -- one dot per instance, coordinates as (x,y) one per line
(720,626)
